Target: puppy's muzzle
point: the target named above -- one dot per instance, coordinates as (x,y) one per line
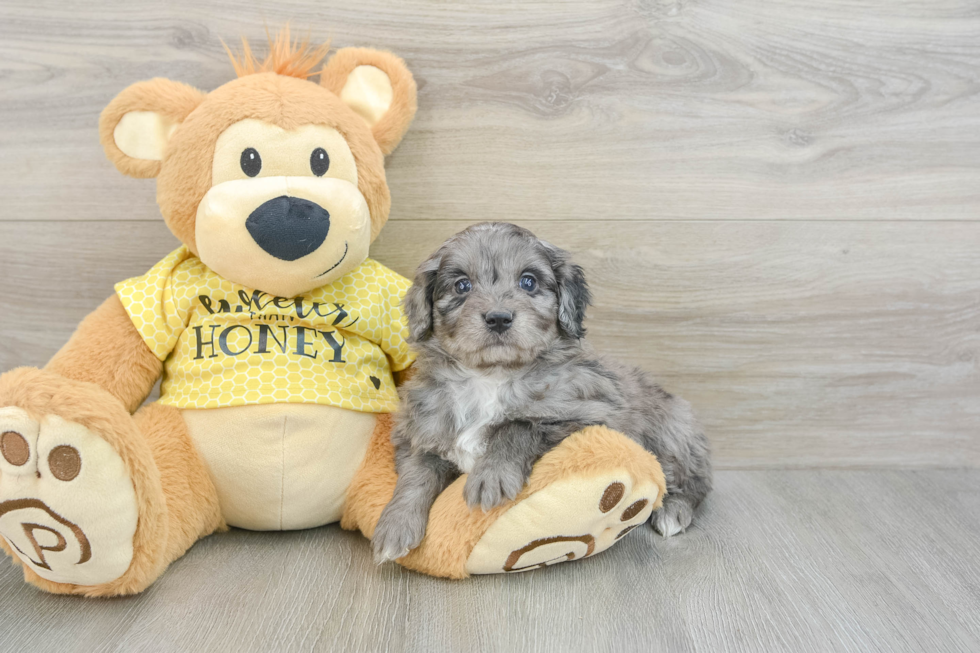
(499,321)
(289,228)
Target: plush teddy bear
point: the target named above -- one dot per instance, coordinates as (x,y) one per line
(277,339)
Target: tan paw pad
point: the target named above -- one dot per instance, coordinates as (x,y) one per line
(18,442)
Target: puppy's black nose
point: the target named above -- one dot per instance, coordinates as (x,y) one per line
(289,227)
(499,321)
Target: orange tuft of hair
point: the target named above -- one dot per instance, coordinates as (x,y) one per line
(286,57)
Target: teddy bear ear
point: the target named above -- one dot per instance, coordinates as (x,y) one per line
(378,86)
(136,126)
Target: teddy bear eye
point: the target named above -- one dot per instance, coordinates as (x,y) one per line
(319,162)
(251,161)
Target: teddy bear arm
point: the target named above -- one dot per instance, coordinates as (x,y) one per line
(402,376)
(107,350)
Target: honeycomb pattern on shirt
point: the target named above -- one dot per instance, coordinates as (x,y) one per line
(226,345)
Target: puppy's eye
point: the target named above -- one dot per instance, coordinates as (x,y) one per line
(251,162)
(528,283)
(463,286)
(319,162)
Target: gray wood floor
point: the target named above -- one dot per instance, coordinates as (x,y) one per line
(779,561)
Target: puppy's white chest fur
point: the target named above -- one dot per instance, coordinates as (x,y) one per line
(477,403)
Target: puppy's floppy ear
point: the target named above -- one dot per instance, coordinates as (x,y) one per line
(378,86)
(136,126)
(417,304)
(573,292)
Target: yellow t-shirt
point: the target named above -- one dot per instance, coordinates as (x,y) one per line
(226,345)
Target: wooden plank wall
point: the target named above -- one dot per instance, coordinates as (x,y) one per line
(777,203)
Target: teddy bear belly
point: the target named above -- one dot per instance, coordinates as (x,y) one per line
(281,466)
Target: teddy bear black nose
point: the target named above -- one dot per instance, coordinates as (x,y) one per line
(289,227)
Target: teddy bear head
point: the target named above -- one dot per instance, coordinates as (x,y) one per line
(274,181)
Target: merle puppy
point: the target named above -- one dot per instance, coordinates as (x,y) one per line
(503,375)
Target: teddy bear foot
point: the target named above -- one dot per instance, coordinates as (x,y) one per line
(570,519)
(581,498)
(68,509)
(82,503)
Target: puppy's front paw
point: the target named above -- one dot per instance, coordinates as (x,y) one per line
(488,487)
(673,518)
(397,533)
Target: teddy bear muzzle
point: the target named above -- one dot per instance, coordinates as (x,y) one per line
(283,235)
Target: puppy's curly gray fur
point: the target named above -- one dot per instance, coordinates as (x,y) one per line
(491,402)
